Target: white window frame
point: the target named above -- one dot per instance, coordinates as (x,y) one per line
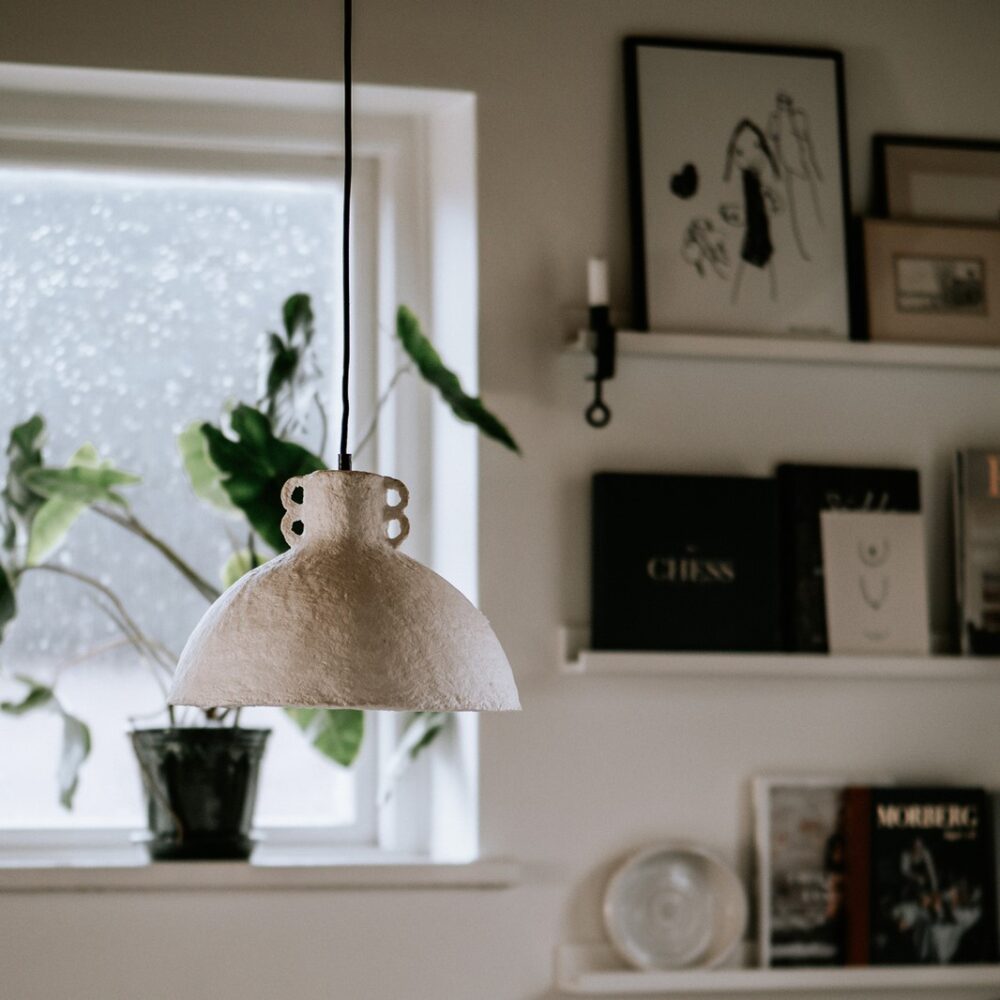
(417,149)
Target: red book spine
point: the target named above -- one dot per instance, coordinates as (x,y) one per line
(857,874)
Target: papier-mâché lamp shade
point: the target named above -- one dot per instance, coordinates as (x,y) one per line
(343,619)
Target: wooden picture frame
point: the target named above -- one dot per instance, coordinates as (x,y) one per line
(738,185)
(929,177)
(932,284)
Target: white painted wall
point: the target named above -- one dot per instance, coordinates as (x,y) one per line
(592,766)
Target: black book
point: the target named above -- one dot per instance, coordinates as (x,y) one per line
(919,876)
(803,492)
(684,563)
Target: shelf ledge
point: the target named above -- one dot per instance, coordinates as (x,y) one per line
(213,876)
(593,970)
(574,659)
(796,350)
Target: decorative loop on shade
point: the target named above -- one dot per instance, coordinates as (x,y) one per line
(293,507)
(343,620)
(394,511)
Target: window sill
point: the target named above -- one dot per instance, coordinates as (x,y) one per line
(287,872)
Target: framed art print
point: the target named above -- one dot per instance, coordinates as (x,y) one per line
(921,177)
(931,283)
(738,188)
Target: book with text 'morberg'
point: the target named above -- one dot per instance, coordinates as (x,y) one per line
(919,876)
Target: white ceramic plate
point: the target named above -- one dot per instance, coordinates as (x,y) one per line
(675,906)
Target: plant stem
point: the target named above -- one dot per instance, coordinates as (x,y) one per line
(131,523)
(379,405)
(89,654)
(143,645)
(324,423)
(126,623)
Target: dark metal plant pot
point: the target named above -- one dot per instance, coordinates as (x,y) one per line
(201,788)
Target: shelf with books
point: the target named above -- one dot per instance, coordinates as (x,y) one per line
(720,347)
(576,659)
(593,970)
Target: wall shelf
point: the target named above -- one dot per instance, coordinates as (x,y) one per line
(721,347)
(575,659)
(593,970)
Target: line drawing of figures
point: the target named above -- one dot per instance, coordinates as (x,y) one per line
(791,139)
(703,247)
(749,152)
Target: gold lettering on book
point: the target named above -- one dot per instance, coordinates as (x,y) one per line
(927,816)
(690,569)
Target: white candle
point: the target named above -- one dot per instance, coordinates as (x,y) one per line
(597,281)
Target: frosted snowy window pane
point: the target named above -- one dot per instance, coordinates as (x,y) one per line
(132,306)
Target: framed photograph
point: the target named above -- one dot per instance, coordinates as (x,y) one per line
(932,284)
(875,581)
(738,188)
(920,177)
(800,870)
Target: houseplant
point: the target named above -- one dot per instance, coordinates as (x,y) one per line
(238,465)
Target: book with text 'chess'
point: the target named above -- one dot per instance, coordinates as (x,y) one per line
(804,491)
(919,876)
(684,563)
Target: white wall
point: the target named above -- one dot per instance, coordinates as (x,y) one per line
(592,766)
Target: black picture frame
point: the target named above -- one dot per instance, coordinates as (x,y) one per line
(885,143)
(638,235)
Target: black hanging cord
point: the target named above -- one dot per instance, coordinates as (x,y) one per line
(344,459)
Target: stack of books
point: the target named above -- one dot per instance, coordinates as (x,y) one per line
(876,874)
(725,563)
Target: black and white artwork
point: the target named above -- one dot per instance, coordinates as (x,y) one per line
(947,285)
(738,188)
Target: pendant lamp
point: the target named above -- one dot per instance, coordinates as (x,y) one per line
(343,619)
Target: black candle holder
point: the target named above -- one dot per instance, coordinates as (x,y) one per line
(598,413)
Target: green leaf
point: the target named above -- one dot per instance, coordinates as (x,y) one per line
(238,565)
(8,601)
(76,742)
(76,746)
(281,372)
(255,467)
(335,732)
(20,502)
(432,368)
(81,484)
(57,515)
(26,438)
(297,314)
(425,728)
(292,376)
(203,474)
(37,696)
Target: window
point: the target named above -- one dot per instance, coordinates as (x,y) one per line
(150,228)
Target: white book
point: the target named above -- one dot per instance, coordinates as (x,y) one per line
(875,573)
